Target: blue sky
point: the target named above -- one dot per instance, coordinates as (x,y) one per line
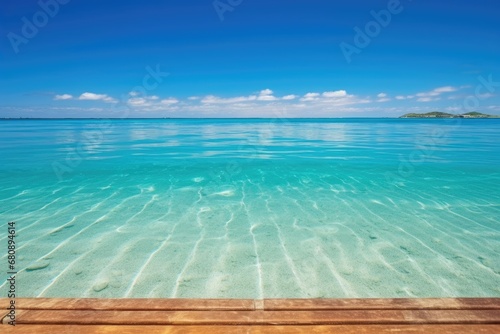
(248,58)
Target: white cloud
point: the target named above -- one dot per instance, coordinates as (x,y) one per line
(138,102)
(150,101)
(436,92)
(63,97)
(310,97)
(96,97)
(266,98)
(266,95)
(212,99)
(382,97)
(330,100)
(266,103)
(446,89)
(427,94)
(330,96)
(335,94)
(169,101)
(428,99)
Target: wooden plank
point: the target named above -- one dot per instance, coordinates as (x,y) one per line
(130,304)
(248,304)
(339,317)
(383,304)
(352,329)
(173,316)
(3,315)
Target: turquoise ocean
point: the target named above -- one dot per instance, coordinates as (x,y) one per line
(252,208)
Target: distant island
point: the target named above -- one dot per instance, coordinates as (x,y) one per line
(437,114)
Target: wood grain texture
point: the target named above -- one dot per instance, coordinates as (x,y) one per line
(258,317)
(131,304)
(461,315)
(384,304)
(344,329)
(248,304)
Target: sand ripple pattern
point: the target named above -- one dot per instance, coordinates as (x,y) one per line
(274,232)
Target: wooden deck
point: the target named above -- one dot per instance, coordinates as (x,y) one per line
(169,316)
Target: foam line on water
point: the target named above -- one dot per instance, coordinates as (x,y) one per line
(260,293)
(152,255)
(188,262)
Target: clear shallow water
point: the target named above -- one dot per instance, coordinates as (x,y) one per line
(252,208)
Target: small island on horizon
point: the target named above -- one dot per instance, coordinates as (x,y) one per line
(438,114)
